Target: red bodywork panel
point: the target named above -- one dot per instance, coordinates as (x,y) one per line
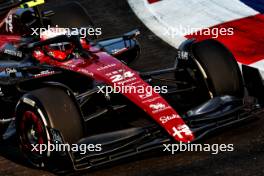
(4,39)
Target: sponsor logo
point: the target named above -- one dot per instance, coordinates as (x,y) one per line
(10,70)
(181,129)
(151,100)
(115,72)
(44,73)
(136,83)
(127,81)
(106,67)
(165,119)
(13,53)
(157,106)
(29,102)
(87,72)
(183,55)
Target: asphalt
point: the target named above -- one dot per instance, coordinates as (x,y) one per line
(115,17)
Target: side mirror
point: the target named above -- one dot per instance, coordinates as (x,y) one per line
(132,34)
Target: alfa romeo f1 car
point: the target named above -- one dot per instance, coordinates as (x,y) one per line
(50,94)
(49,90)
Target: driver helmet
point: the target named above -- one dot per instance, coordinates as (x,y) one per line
(59,51)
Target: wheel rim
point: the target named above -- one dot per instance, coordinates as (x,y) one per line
(31,132)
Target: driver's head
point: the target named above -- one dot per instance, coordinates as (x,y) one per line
(59,51)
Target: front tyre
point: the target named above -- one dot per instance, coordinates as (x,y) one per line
(219,68)
(37,114)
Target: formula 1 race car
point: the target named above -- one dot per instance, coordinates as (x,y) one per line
(53,91)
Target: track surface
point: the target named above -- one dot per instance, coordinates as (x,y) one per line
(115,17)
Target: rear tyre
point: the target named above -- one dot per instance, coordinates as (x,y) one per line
(219,68)
(38,113)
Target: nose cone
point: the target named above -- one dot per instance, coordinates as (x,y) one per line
(183,133)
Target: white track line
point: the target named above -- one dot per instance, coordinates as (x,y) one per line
(178,14)
(145,14)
